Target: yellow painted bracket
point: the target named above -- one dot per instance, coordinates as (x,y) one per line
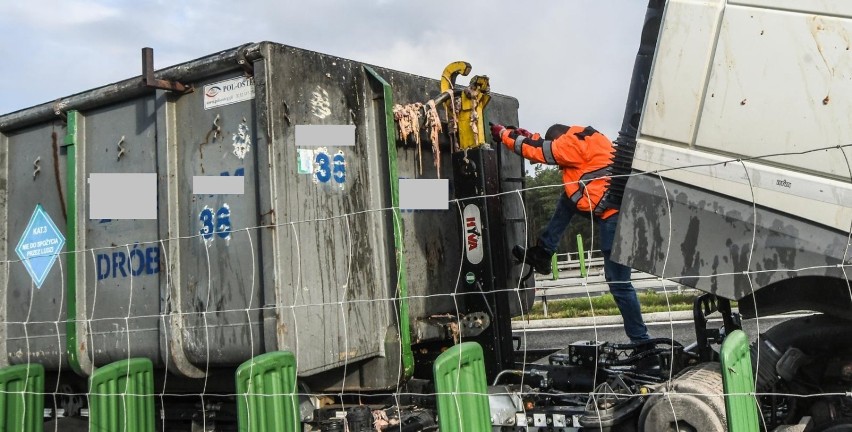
(473,102)
(480,89)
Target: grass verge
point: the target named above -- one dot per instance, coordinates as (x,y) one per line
(651,301)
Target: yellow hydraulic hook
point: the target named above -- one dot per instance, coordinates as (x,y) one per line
(471,121)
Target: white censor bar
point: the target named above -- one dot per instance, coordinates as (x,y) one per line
(325,135)
(218,185)
(424,194)
(123,196)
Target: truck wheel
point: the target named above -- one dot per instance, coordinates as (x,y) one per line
(692,403)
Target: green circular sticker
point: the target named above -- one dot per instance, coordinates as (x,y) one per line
(470,278)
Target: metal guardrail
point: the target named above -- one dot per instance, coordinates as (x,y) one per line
(570,282)
(570,264)
(571,260)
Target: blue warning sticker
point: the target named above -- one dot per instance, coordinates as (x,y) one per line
(40,245)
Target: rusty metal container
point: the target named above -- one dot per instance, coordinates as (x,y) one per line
(306,258)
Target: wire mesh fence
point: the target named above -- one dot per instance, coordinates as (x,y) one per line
(325,321)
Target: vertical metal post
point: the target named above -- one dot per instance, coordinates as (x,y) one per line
(404,317)
(71,243)
(554,267)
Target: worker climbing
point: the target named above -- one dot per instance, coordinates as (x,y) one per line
(585,157)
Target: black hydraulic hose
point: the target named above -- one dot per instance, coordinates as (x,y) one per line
(421,420)
(487,303)
(643,349)
(809,334)
(654,341)
(627,361)
(626,141)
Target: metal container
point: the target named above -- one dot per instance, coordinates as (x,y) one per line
(306,259)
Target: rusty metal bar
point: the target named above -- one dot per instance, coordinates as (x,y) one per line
(215,64)
(151,81)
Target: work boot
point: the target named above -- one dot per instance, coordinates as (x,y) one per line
(537,257)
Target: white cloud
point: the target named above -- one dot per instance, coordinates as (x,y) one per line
(425,57)
(47,14)
(566,61)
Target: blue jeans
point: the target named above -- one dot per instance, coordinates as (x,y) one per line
(617,275)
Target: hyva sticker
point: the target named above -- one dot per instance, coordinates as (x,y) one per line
(473,234)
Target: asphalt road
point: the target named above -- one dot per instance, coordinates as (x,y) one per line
(683,331)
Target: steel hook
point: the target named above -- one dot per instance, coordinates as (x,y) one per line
(36,167)
(217,130)
(121,149)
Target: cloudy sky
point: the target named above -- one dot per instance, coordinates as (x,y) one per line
(565,60)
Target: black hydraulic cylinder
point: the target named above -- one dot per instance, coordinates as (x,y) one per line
(626,141)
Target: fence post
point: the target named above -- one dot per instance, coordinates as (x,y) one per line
(554,267)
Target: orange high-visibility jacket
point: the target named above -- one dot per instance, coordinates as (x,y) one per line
(583,154)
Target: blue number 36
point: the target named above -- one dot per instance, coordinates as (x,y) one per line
(328,168)
(207,227)
(218,223)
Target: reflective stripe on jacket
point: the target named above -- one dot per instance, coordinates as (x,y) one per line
(583,154)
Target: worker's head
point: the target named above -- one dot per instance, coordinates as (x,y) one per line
(555,131)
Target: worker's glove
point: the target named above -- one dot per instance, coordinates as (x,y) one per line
(497,131)
(524,132)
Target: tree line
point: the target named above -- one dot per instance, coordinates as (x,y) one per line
(540,201)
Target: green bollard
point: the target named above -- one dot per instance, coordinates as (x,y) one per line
(267,398)
(22,398)
(462,397)
(121,397)
(738,382)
